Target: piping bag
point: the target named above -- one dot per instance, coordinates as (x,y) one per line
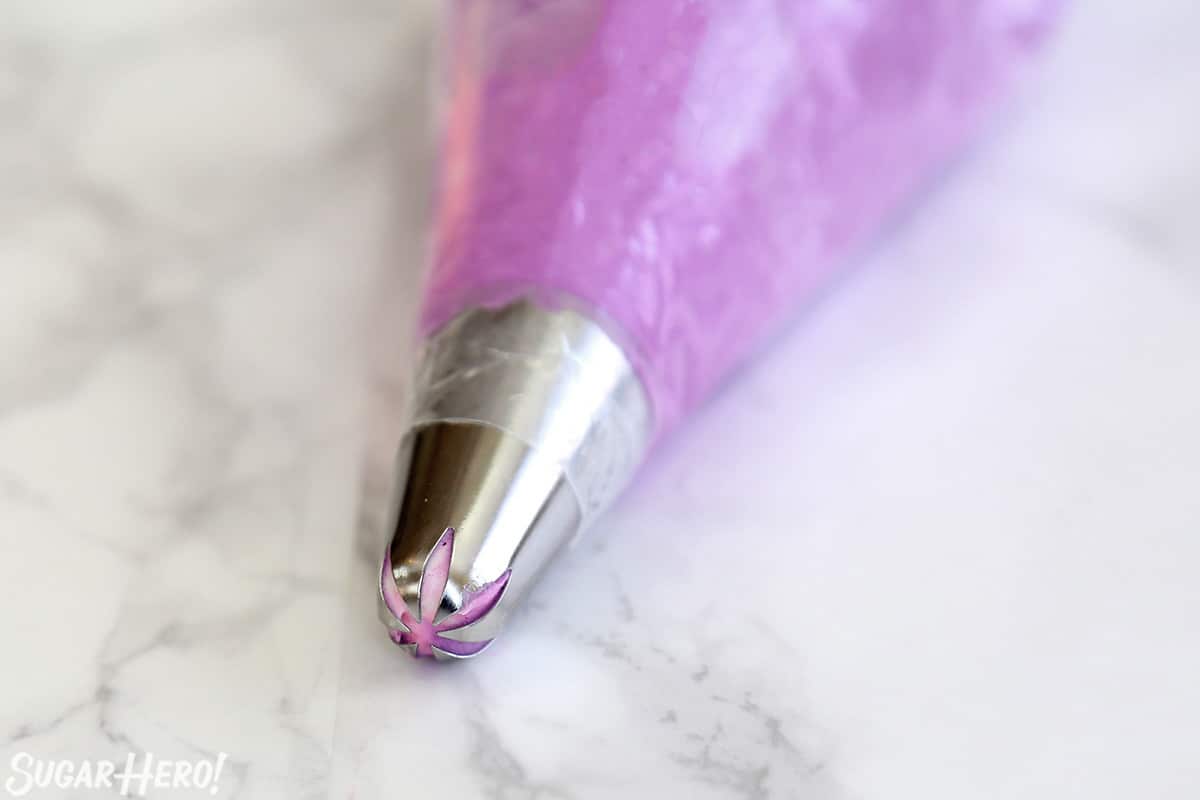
(633,195)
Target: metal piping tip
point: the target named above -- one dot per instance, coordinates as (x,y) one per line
(481,514)
(425,632)
(529,422)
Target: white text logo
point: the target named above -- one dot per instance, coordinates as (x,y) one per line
(133,778)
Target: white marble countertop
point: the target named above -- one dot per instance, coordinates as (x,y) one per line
(973,474)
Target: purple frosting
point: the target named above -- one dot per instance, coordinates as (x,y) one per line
(690,170)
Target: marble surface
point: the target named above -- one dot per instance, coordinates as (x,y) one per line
(943,541)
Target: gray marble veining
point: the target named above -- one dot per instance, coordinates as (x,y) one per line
(976,463)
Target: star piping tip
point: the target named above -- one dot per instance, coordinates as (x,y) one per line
(423,632)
